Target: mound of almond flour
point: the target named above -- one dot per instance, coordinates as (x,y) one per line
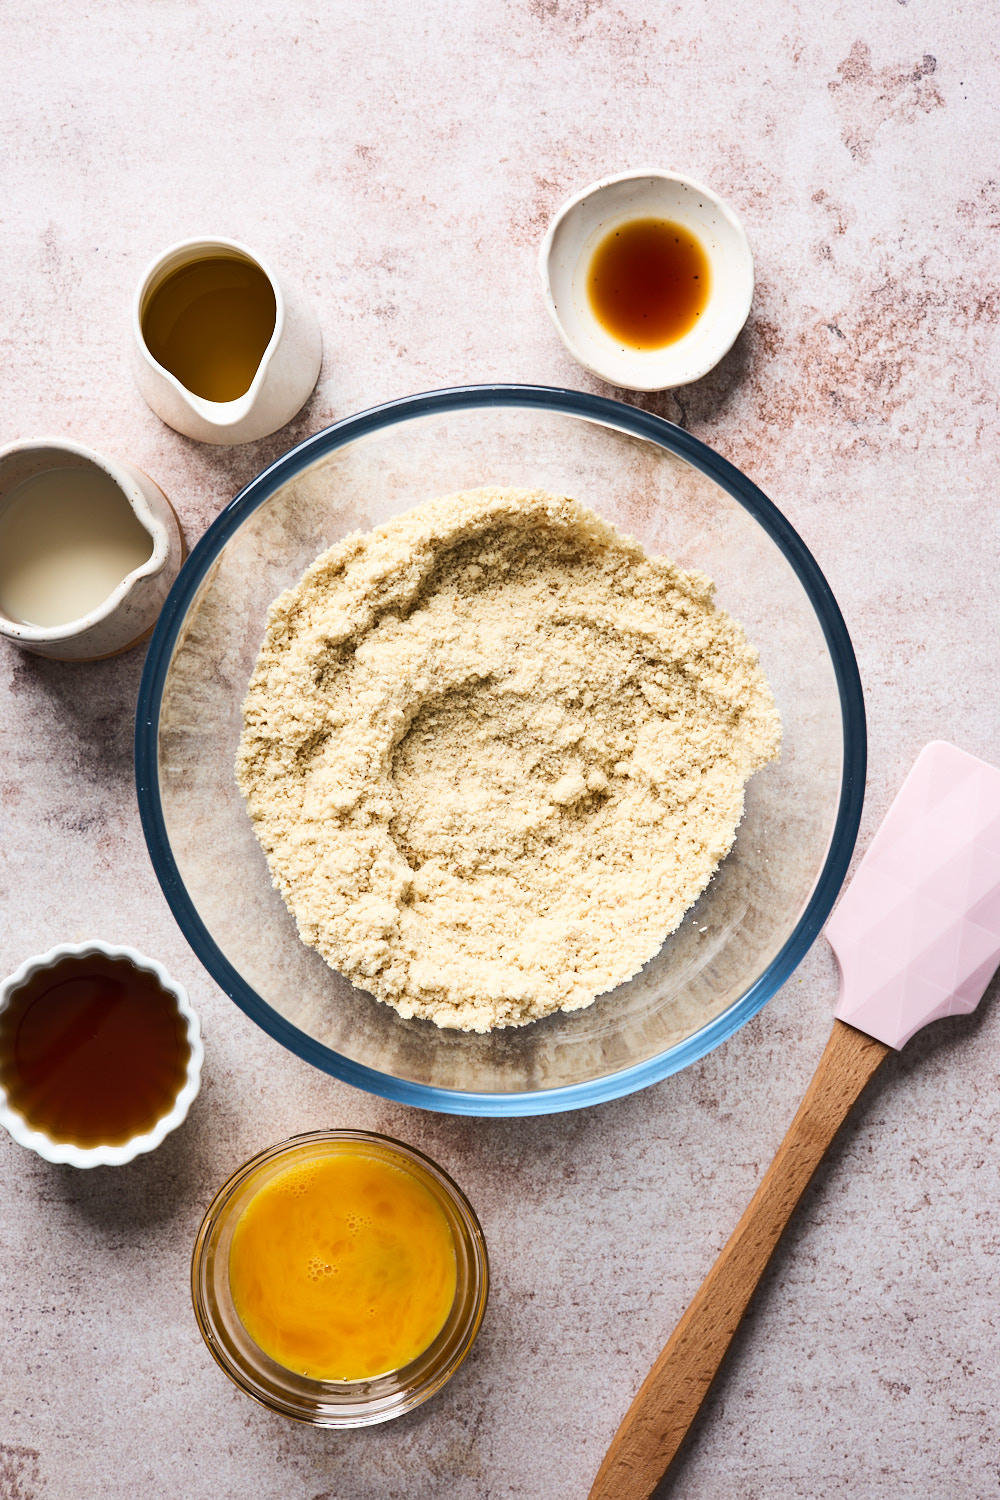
(493,752)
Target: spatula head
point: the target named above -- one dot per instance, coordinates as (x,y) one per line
(917,932)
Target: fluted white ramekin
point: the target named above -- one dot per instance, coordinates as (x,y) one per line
(104,1156)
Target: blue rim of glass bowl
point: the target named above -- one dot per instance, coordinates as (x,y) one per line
(609,413)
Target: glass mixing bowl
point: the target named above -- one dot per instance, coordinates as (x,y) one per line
(765,904)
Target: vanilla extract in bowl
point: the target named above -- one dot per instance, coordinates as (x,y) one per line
(648,282)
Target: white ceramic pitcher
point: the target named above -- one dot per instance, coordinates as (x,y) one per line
(286,375)
(127,615)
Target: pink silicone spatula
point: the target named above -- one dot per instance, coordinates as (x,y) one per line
(917,936)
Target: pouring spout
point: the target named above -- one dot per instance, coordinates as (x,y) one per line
(223,414)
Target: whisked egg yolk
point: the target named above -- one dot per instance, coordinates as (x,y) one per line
(343,1267)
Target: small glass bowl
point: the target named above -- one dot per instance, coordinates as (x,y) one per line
(329,1403)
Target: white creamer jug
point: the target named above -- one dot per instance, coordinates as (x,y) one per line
(89,547)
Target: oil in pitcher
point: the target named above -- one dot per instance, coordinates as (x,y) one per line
(222,349)
(209,323)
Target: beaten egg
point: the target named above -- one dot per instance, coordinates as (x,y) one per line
(343,1267)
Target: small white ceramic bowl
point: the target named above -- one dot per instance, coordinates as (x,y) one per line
(564,261)
(105,1156)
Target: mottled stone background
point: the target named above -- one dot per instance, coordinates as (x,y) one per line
(401,161)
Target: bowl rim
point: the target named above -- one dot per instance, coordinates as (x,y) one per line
(634,422)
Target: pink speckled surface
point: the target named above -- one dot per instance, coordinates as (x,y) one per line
(400,162)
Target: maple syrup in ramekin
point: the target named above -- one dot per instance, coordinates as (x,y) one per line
(93,1050)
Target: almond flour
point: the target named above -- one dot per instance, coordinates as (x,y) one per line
(493,752)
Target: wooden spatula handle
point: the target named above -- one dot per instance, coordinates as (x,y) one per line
(658,1419)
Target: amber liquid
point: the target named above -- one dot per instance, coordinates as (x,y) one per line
(648,282)
(209,324)
(92,1051)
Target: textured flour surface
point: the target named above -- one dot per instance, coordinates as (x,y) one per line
(493,753)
